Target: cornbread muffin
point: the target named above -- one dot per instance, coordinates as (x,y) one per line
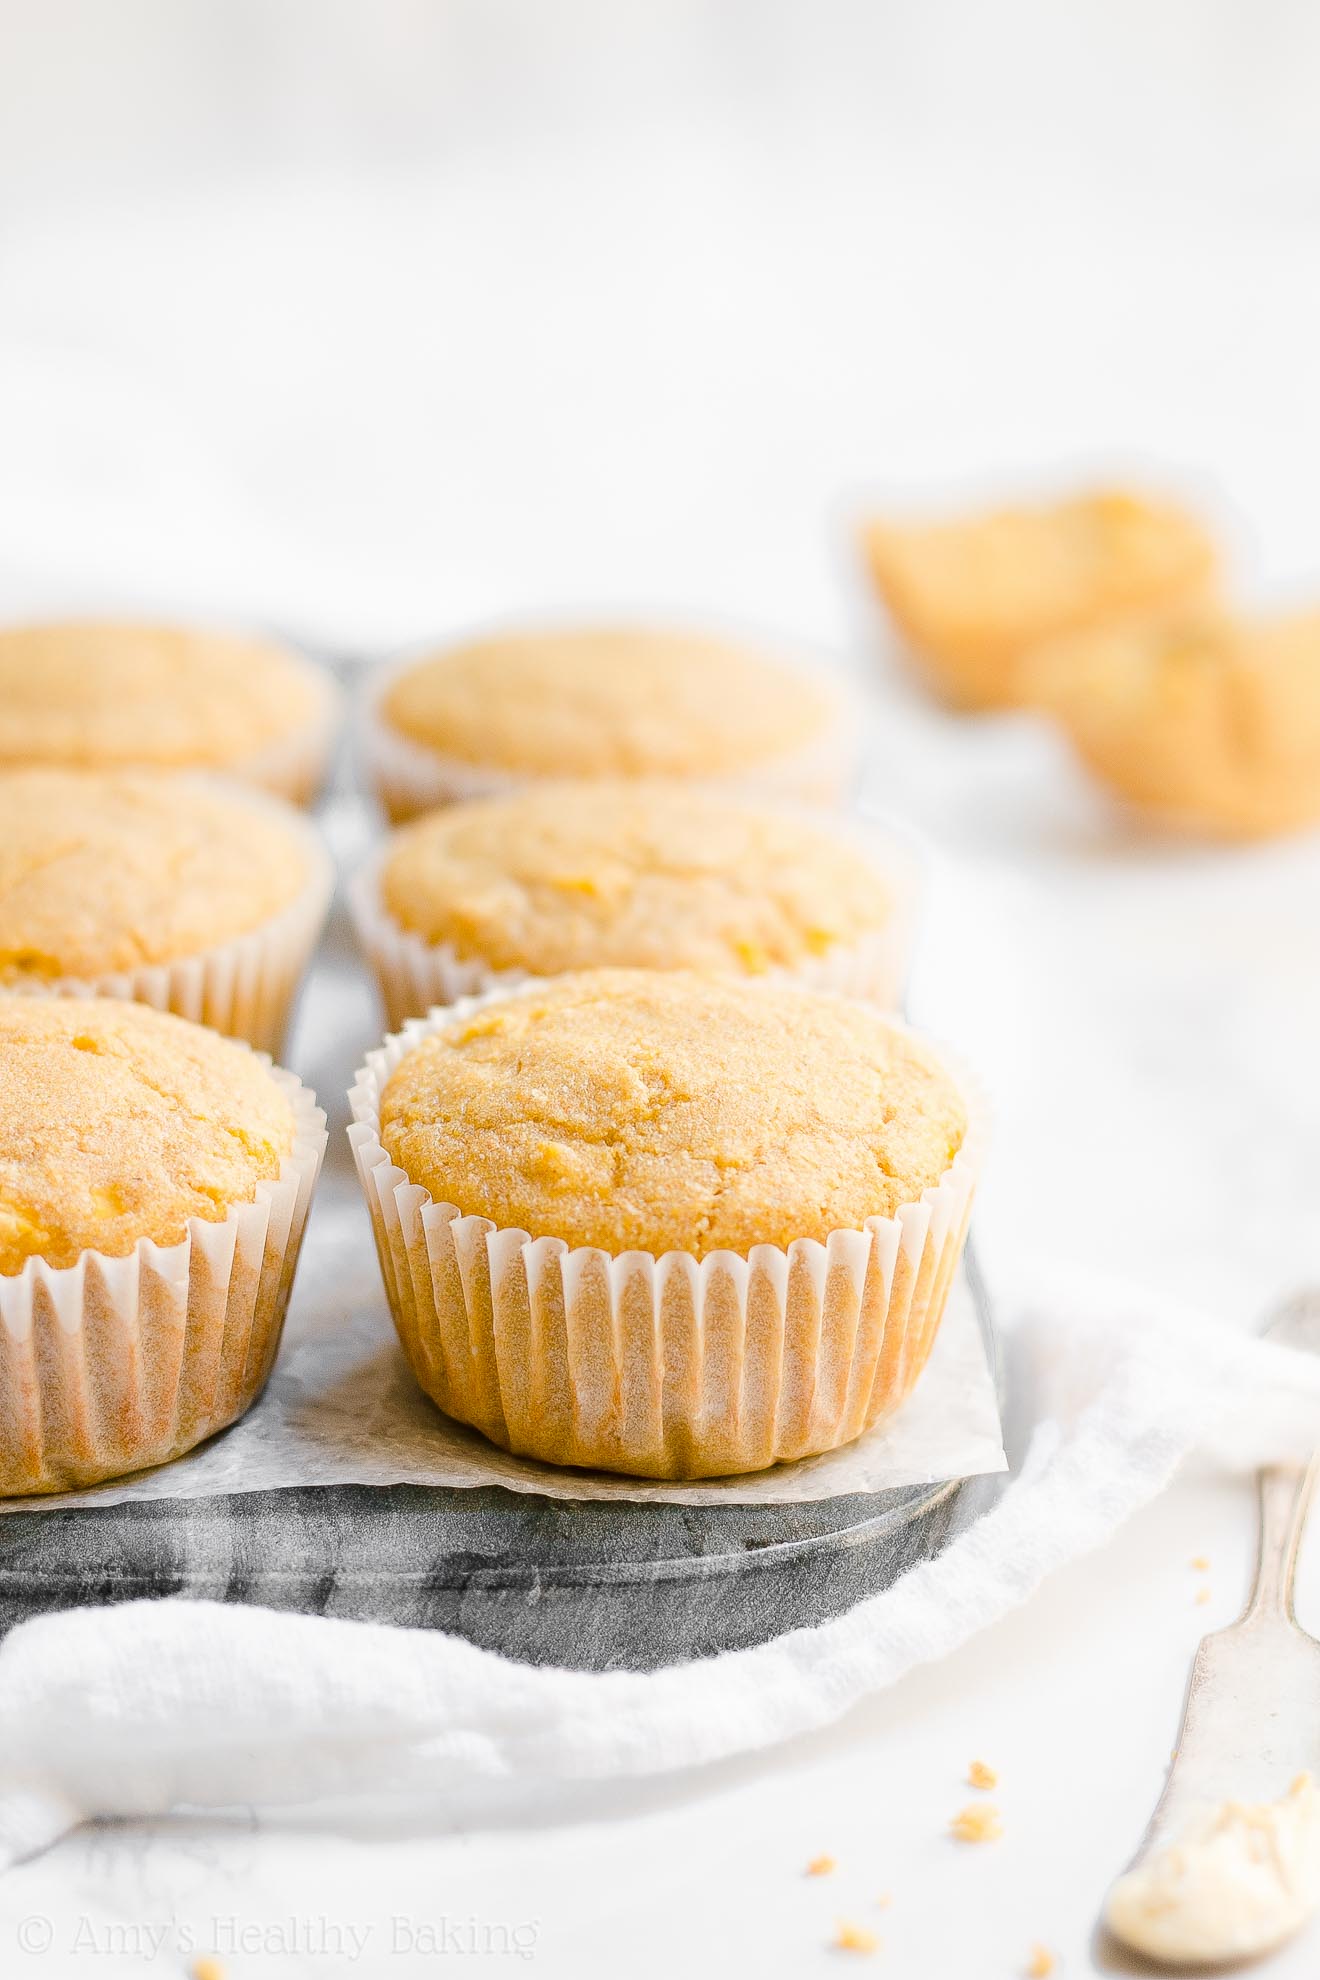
(1209,719)
(602,701)
(120,1124)
(192,895)
(972,596)
(109,696)
(661,1112)
(103,871)
(565,876)
(780,1176)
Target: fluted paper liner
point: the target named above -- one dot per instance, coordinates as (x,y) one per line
(661,1367)
(112,1364)
(409,778)
(414,975)
(245,986)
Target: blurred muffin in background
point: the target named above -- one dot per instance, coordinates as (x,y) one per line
(971,596)
(189,893)
(115,696)
(1209,718)
(566,876)
(604,701)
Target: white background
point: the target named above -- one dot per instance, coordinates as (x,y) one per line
(371,321)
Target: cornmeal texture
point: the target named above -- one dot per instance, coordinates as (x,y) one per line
(118,1122)
(636,1110)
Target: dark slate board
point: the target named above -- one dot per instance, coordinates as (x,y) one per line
(584,1583)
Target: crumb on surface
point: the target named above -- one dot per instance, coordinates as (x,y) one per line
(885,1899)
(206,1968)
(1041,1963)
(854,1938)
(977,1824)
(1202,1597)
(1200,1562)
(981,1776)
(821,1866)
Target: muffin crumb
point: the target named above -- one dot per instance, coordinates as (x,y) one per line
(206,1968)
(977,1824)
(1041,1963)
(885,1899)
(981,1776)
(854,1938)
(1200,1563)
(821,1866)
(1202,1597)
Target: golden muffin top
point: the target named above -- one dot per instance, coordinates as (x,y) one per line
(108,870)
(160,696)
(639,1110)
(563,876)
(1207,713)
(118,1122)
(601,701)
(985,587)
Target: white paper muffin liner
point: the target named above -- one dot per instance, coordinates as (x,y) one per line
(408,778)
(294,766)
(113,1364)
(244,987)
(661,1367)
(414,975)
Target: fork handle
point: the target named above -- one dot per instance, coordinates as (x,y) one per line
(1284,1493)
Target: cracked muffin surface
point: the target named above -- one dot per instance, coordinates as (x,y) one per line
(108,871)
(669,1111)
(118,1122)
(601,701)
(580,875)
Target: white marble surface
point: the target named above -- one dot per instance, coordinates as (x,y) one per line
(372,323)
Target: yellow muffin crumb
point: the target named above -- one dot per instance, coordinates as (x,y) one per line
(574,875)
(1200,1563)
(115,695)
(853,1938)
(973,596)
(608,701)
(981,1776)
(821,1866)
(977,1824)
(1208,719)
(1040,1964)
(637,1110)
(118,1122)
(1202,1597)
(207,1968)
(884,1901)
(107,871)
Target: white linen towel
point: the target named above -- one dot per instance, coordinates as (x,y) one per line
(162,1705)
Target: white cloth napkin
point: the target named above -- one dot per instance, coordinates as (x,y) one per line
(160,1705)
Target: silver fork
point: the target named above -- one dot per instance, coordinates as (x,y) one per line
(1251,1723)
